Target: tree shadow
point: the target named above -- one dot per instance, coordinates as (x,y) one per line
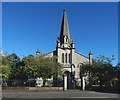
(115,90)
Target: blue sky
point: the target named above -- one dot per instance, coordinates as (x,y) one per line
(31,26)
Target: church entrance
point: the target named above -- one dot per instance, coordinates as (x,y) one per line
(69,80)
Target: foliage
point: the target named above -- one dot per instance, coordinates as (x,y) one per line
(41,66)
(100,70)
(5,71)
(30,65)
(47,67)
(11,61)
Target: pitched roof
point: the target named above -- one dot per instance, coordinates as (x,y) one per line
(81,55)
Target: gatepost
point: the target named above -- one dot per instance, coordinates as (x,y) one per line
(83,83)
(65,82)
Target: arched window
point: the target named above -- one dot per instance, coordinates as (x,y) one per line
(62,57)
(69,58)
(66,58)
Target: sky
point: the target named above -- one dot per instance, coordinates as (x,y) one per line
(27,27)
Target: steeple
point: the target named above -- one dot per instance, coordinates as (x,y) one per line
(65,40)
(64,27)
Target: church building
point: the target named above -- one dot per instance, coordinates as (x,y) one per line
(66,54)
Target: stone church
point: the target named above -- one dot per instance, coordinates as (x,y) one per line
(66,54)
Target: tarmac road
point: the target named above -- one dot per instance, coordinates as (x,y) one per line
(57,94)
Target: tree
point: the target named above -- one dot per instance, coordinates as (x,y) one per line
(21,73)
(86,70)
(5,72)
(41,66)
(30,65)
(101,69)
(11,61)
(117,74)
(47,68)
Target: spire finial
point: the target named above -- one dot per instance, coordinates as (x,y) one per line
(38,51)
(64,9)
(90,53)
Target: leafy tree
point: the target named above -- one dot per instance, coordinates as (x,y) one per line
(117,74)
(11,61)
(20,73)
(41,66)
(101,70)
(5,71)
(30,65)
(47,68)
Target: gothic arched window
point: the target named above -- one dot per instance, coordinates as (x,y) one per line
(66,58)
(66,39)
(69,58)
(62,57)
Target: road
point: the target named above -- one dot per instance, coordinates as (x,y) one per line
(58,94)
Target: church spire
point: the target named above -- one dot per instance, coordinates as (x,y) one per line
(64,27)
(65,41)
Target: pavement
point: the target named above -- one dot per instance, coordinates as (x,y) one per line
(71,94)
